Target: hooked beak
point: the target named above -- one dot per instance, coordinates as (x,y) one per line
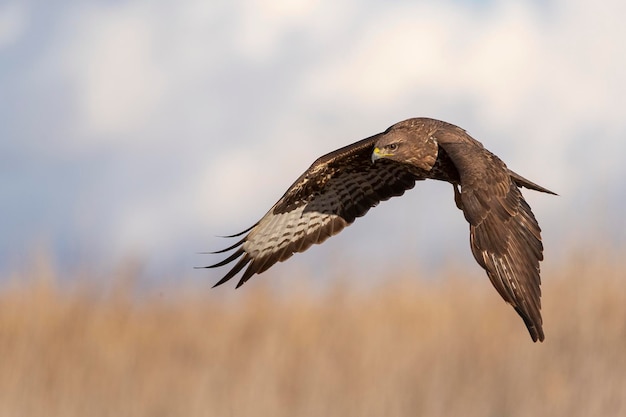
(377,154)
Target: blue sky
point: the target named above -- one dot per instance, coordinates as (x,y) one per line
(144,129)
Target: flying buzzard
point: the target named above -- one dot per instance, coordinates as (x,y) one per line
(343,185)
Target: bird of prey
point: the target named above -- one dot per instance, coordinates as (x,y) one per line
(505,238)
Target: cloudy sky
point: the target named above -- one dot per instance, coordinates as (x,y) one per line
(147,128)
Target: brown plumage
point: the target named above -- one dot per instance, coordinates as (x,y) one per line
(504,235)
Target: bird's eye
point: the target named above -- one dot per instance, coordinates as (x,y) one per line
(392,147)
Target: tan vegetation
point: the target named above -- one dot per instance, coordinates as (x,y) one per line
(447,347)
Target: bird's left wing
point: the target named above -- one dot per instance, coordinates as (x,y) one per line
(505,237)
(337,188)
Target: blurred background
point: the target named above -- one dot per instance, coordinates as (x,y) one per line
(146,129)
(134,133)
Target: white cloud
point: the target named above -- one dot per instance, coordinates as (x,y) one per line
(263,23)
(111,55)
(12,23)
(414,49)
(263,26)
(532,77)
(542,74)
(225,87)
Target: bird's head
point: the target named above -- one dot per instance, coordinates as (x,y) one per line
(409,142)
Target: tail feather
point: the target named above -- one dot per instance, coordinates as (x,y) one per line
(523,182)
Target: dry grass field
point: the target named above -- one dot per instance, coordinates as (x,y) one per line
(444,347)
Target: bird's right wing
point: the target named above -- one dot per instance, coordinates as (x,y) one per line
(337,188)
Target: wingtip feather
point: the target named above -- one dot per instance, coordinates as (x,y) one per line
(234,271)
(240,233)
(231,258)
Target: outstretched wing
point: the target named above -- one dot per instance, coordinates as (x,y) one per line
(504,235)
(336,189)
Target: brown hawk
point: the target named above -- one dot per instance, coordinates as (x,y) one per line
(504,235)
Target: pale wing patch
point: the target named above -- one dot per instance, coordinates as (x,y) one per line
(315,208)
(277,232)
